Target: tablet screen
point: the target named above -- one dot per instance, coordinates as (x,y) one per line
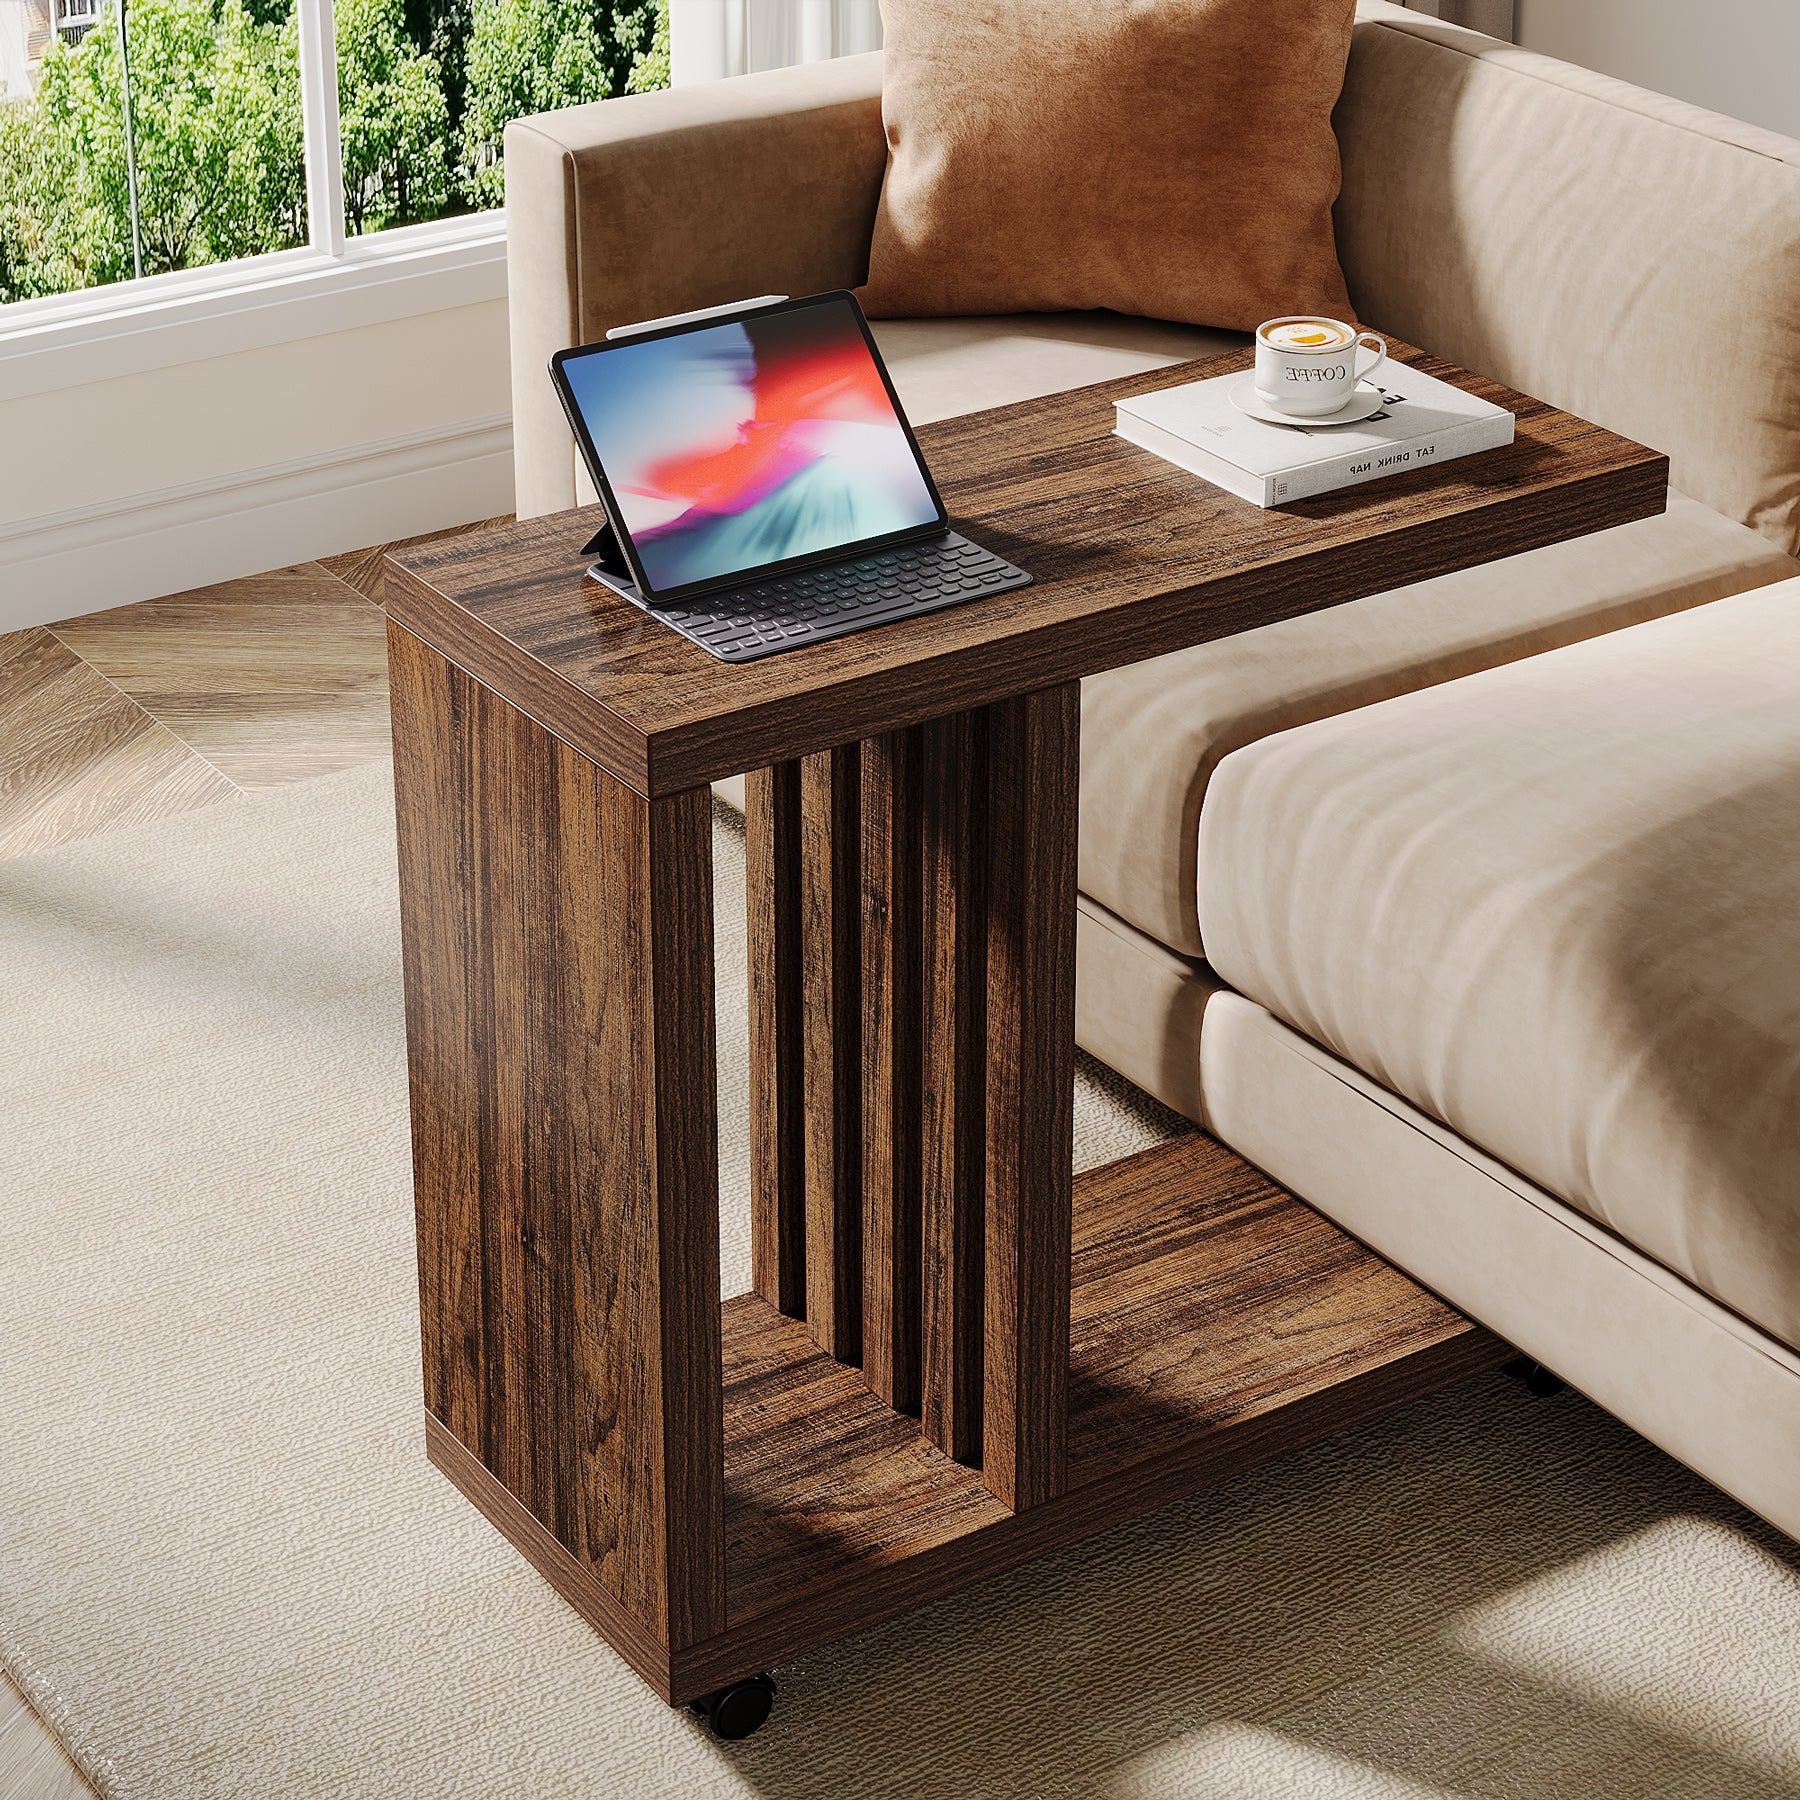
(755,441)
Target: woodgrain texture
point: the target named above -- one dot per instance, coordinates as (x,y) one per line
(271,678)
(1219,1323)
(575,1580)
(77,756)
(831,1014)
(557,934)
(366,570)
(777,994)
(1131,558)
(892,1020)
(1034,764)
(278,677)
(954,881)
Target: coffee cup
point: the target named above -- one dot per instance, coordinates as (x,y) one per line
(1306,364)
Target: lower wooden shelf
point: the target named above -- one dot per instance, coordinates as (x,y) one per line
(1216,1322)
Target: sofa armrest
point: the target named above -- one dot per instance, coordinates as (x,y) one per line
(659,203)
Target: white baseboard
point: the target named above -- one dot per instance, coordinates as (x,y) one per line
(116,552)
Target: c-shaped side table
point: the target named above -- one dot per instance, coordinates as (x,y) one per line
(956,1357)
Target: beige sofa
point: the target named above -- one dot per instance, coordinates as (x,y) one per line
(1472,910)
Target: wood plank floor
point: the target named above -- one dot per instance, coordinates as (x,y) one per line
(270,679)
(33,1765)
(362,568)
(77,756)
(144,712)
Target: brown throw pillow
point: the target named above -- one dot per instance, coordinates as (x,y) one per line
(1171,158)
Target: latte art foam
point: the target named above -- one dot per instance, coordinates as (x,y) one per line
(1307,334)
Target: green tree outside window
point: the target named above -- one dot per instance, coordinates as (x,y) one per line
(393,120)
(425,90)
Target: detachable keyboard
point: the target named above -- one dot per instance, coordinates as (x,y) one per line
(763,618)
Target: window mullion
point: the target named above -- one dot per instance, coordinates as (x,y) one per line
(319,113)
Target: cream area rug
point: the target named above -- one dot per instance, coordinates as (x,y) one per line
(226,1569)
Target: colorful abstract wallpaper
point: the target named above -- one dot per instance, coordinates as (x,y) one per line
(750,442)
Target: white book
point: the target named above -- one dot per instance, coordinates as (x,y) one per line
(1423,421)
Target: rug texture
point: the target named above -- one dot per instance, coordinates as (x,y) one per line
(227,1570)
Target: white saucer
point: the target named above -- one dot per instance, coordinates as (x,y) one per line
(1363,402)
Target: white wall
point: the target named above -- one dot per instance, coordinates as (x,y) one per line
(150,483)
(1738,57)
(711,38)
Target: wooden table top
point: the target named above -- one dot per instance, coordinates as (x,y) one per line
(1131,557)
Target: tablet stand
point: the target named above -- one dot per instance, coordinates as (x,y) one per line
(603,547)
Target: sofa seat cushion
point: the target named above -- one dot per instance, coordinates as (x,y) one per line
(1556,905)
(1152,734)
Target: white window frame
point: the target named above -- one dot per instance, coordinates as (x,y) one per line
(335,283)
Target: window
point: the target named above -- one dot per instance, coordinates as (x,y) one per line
(139,137)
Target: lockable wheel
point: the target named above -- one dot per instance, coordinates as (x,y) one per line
(738,1708)
(1537,1381)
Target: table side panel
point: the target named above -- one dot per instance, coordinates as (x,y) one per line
(573,1580)
(558,942)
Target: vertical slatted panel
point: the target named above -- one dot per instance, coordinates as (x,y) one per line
(1034,767)
(831,958)
(954,882)
(777,984)
(892,1013)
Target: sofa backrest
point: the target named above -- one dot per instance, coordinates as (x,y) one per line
(1627,257)
(657,203)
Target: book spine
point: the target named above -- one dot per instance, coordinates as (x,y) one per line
(1395,459)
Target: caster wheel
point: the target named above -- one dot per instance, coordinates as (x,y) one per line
(736,1710)
(1534,1378)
